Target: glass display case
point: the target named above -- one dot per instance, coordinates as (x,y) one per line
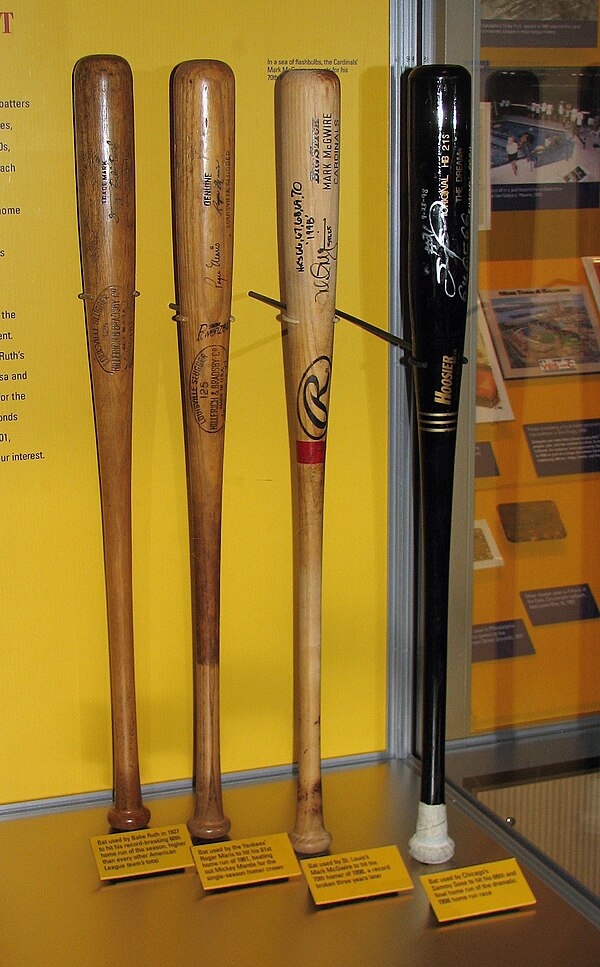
(523,710)
(524,672)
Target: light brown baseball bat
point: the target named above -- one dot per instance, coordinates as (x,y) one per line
(105,168)
(307,120)
(203,143)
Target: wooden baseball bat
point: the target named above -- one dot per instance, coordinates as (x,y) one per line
(307,119)
(105,167)
(438,272)
(203,144)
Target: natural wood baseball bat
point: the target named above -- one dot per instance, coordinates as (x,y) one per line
(203,144)
(307,118)
(105,167)
(439,147)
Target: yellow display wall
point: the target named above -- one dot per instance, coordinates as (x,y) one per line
(55,718)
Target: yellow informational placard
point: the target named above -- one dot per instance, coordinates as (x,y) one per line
(245,861)
(142,852)
(354,876)
(477,890)
(55,735)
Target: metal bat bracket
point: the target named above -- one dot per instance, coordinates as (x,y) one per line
(367,326)
(411,361)
(390,337)
(179,318)
(86,295)
(421,364)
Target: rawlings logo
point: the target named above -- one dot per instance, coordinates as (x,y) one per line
(313,398)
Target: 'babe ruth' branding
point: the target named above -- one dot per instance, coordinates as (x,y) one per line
(112,329)
(208,388)
(313,398)
(114,173)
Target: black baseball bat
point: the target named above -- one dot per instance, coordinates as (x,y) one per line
(439,104)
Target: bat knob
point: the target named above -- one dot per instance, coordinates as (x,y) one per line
(122,820)
(431,843)
(207,830)
(311,842)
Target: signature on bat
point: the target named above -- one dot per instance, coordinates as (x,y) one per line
(324,265)
(447,261)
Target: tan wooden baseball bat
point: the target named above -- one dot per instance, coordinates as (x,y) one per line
(203,144)
(105,168)
(307,123)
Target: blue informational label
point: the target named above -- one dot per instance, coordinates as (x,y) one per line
(549,606)
(558,449)
(537,33)
(501,639)
(485,461)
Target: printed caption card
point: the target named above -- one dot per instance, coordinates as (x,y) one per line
(245,861)
(141,852)
(356,875)
(477,890)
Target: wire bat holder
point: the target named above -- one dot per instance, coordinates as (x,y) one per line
(179,318)
(407,360)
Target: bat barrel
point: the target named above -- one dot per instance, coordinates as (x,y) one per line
(105,169)
(438,271)
(203,138)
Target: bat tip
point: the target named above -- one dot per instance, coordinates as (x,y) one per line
(311,843)
(208,830)
(102,62)
(122,820)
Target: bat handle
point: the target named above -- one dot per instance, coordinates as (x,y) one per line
(431,843)
(309,836)
(128,811)
(209,822)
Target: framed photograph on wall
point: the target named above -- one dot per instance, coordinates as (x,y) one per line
(543,332)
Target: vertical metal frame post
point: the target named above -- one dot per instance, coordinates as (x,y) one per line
(426,31)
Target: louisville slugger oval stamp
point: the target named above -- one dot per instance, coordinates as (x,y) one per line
(313,398)
(112,329)
(208,388)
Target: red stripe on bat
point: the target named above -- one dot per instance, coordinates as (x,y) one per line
(310,452)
